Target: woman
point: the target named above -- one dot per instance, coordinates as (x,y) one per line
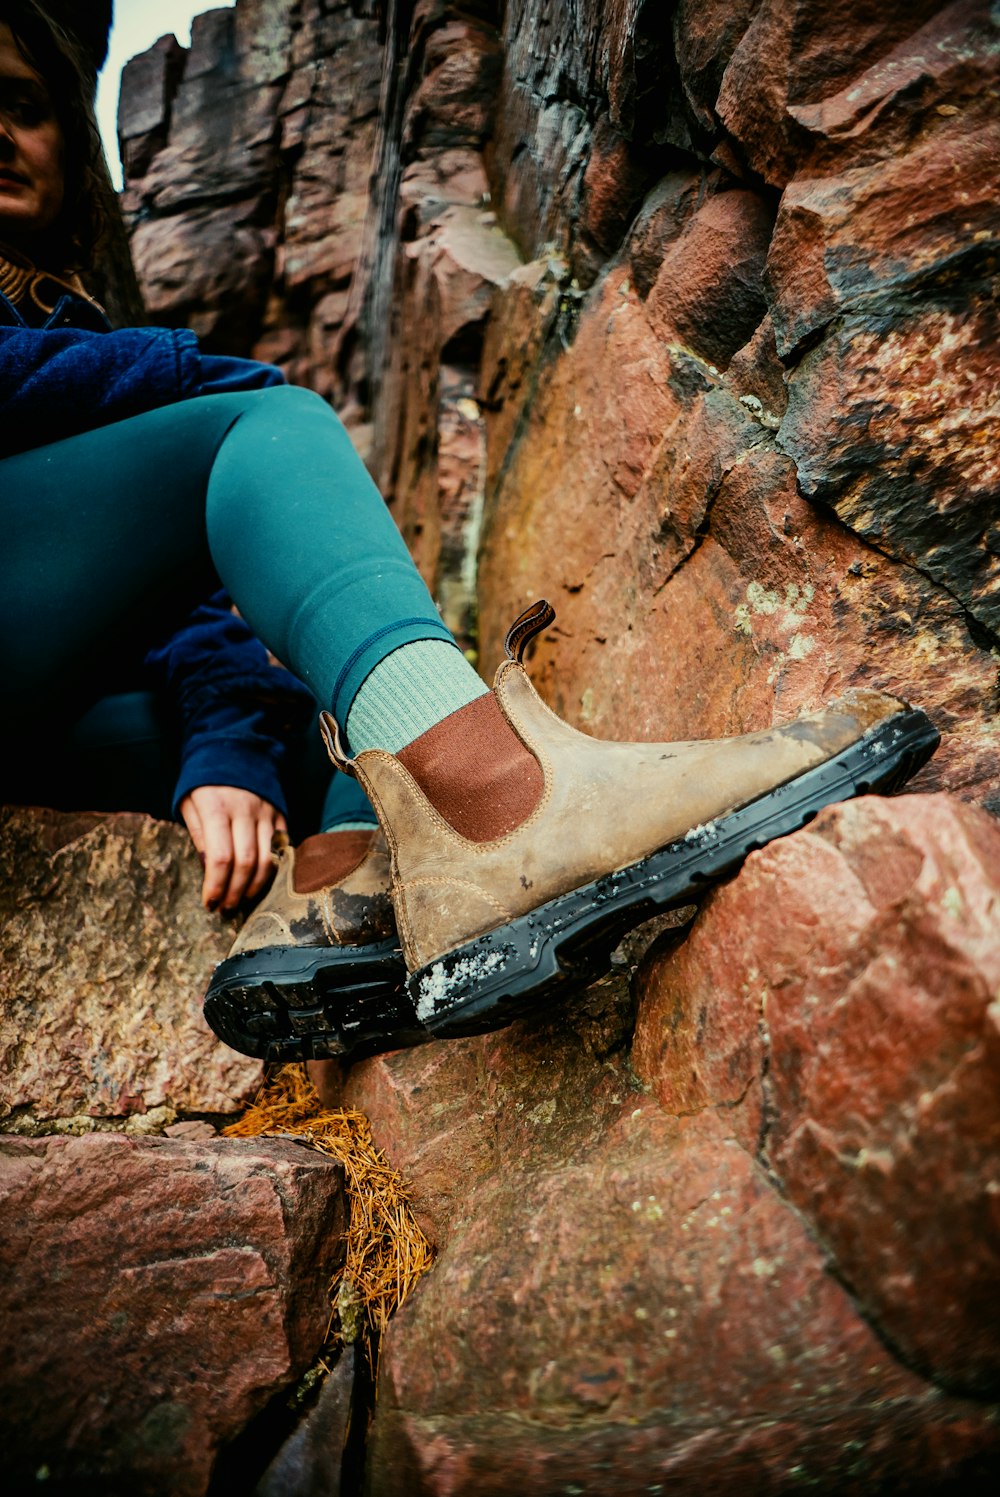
(134,467)
(237,719)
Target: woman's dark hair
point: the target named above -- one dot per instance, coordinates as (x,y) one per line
(58,58)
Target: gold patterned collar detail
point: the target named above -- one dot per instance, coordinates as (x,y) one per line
(20,281)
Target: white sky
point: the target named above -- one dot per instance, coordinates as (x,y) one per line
(137,25)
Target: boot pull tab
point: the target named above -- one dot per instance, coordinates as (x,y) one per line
(330,731)
(524,628)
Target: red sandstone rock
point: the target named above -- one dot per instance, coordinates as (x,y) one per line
(619,1295)
(156,1294)
(450,105)
(709,288)
(429,433)
(706,34)
(795,53)
(512,348)
(838,1001)
(149,83)
(696,592)
(664,214)
(265,134)
(106,952)
(844,240)
(493,1457)
(757,377)
(612,184)
(891,422)
(941,70)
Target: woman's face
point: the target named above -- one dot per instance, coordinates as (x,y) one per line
(31,150)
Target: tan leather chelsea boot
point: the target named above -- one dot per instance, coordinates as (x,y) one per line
(617,832)
(316,970)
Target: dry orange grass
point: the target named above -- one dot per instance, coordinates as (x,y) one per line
(386,1251)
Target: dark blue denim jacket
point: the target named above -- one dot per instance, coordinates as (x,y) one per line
(233,709)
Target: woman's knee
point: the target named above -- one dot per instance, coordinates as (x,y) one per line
(285,402)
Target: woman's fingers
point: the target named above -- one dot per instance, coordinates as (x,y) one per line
(217,827)
(189,813)
(266,827)
(245,858)
(232,830)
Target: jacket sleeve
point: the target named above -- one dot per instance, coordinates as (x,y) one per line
(57,382)
(233,710)
(219,374)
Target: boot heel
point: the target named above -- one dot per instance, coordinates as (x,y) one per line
(293,1003)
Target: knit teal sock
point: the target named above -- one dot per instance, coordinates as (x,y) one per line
(408,692)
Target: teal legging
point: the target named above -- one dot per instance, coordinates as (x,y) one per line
(105,532)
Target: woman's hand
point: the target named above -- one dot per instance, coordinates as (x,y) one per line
(232,830)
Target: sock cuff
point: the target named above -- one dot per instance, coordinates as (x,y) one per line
(408,692)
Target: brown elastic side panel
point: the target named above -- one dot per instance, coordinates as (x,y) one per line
(475,771)
(327,858)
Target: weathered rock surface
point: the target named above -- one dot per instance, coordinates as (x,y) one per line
(853,1044)
(795,54)
(828,343)
(247,160)
(684,317)
(437,265)
(156,1295)
(724,1276)
(105,951)
(311,1462)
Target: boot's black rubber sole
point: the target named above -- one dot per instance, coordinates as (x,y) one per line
(567,943)
(285,1003)
(296,1003)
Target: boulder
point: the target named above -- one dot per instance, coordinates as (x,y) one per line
(706,34)
(709,290)
(798,52)
(838,1001)
(106,951)
(157,1294)
(720,1277)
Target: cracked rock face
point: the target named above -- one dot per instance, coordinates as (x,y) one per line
(156,1294)
(754,464)
(713,1256)
(688,323)
(735,412)
(853,1045)
(105,953)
